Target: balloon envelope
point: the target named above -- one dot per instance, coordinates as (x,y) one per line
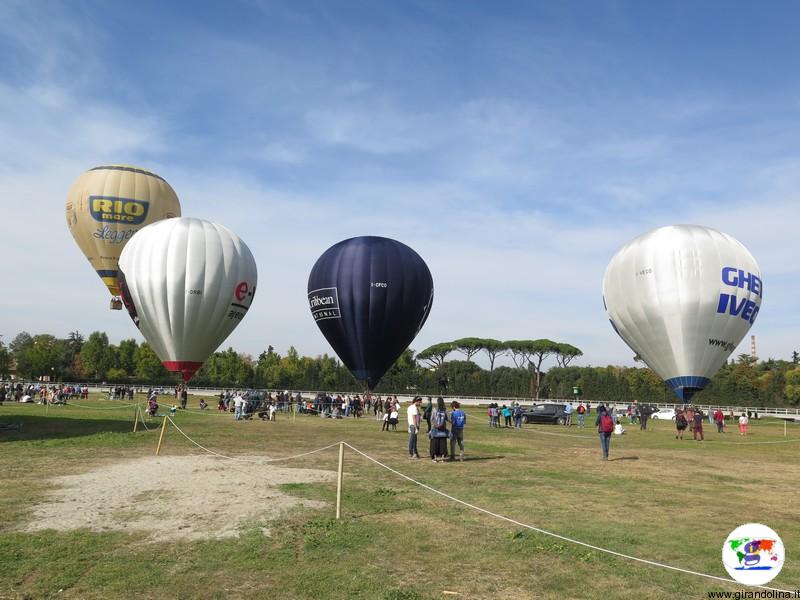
(683,297)
(107,205)
(187,284)
(370,297)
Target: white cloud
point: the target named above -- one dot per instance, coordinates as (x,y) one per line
(281,153)
(374,128)
(515,203)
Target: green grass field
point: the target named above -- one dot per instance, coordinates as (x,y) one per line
(659,498)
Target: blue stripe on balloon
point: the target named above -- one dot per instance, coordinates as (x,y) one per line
(684,387)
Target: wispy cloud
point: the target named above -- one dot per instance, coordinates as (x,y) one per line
(516,164)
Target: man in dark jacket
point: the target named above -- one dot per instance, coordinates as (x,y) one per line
(645,410)
(428,412)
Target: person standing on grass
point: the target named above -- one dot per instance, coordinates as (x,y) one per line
(605,427)
(506,412)
(719,419)
(581,410)
(458,420)
(238,403)
(697,430)
(387,405)
(568,414)
(517,416)
(689,415)
(439,432)
(428,413)
(744,421)
(644,416)
(680,423)
(413,426)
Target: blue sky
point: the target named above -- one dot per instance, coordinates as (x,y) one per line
(515,145)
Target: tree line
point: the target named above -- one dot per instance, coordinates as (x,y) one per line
(432,371)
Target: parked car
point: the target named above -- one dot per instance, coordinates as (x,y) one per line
(664,413)
(545,413)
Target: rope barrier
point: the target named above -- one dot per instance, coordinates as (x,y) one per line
(140,416)
(99,407)
(757,443)
(550,533)
(572,435)
(474,507)
(261,461)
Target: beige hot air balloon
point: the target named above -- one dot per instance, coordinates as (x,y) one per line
(107,205)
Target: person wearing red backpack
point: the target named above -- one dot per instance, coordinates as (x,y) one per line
(581,410)
(605,427)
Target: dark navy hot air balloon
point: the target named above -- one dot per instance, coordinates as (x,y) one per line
(370,297)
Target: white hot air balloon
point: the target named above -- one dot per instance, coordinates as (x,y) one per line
(683,297)
(187,283)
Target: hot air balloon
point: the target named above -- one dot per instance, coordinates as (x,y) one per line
(370,297)
(187,284)
(683,297)
(107,205)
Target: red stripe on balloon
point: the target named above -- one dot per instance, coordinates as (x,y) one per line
(187,368)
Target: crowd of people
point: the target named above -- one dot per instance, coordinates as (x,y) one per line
(41,392)
(688,417)
(443,426)
(120,393)
(508,413)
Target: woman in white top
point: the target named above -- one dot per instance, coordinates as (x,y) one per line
(743,422)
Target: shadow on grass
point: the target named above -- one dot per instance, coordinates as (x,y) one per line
(14,428)
(624,458)
(479,458)
(467,458)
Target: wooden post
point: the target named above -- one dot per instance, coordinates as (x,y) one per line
(339,482)
(161,437)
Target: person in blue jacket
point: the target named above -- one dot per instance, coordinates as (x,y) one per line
(458,420)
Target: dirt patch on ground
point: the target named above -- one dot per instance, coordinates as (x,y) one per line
(188,497)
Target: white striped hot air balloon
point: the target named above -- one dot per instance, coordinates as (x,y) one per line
(107,205)
(683,297)
(187,283)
